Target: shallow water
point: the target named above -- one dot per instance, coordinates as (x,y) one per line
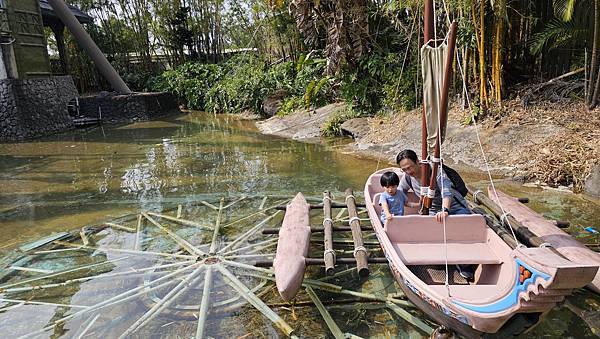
(72,180)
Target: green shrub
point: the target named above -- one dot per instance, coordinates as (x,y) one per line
(332,126)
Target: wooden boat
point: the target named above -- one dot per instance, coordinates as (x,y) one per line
(292,248)
(512,288)
(551,234)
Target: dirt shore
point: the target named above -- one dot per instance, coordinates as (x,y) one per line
(547,145)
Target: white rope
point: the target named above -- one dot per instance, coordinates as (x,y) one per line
(475,195)
(328,252)
(485,160)
(359,249)
(442,174)
(350,196)
(327,220)
(353,219)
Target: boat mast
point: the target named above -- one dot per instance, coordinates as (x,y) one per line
(443,114)
(427,39)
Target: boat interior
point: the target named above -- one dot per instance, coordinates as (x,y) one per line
(419,242)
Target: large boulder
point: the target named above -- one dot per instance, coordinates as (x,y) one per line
(273,102)
(592,182)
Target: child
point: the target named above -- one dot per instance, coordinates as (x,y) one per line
(391,200)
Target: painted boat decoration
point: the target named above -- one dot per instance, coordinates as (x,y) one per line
(512,289)
(549,233)
(292,248)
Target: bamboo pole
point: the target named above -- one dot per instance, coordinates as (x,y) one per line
(121,298)
(263,202)
(136,244)
(329,253)
(360,252)
(215,237)
(255,301)
(209,205)
(182,242)
(89,325)
(116,250)
(315,261)
(320,206)
(318,229)
(117,226)
(255,214)
(31,270)
(256,246)
(235,202)
(181,221)
(31,302)
(233,245)
(333,327)
(340,213)
(410,318)
(204,303)
(164,302)
(55,274)
(131,273)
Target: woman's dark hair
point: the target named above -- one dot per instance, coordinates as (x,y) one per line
(389,179)
(407,154)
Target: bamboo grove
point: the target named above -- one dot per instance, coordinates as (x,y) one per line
(502,44)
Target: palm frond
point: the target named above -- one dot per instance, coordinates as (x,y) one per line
(557,33)
(564,9)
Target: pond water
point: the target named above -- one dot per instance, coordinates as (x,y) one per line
(68,181)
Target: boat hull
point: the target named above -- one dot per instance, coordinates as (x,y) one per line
(513,288)
(551,234)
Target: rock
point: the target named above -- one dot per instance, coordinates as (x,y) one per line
(592,183)
(273,102)
(356,128)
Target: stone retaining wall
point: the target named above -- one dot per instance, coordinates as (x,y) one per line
(34,107)
(37,107)
(113,108)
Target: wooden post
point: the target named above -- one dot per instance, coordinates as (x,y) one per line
(360,252)
(329,254)
(522,232)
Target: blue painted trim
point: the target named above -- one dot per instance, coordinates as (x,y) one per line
(513,297)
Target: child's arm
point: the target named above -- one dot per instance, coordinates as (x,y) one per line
(386,209)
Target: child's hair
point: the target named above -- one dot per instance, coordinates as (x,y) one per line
(389,179)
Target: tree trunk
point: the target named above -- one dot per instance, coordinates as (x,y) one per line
(594,74)
(498,58)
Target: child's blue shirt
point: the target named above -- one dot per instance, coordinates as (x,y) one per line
(394,202)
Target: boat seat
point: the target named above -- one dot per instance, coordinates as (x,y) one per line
(419,240)
(435,254)
(472,293)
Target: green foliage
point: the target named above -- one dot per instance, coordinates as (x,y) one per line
(290,105)
(380,83)
(332,126)
(557,33)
